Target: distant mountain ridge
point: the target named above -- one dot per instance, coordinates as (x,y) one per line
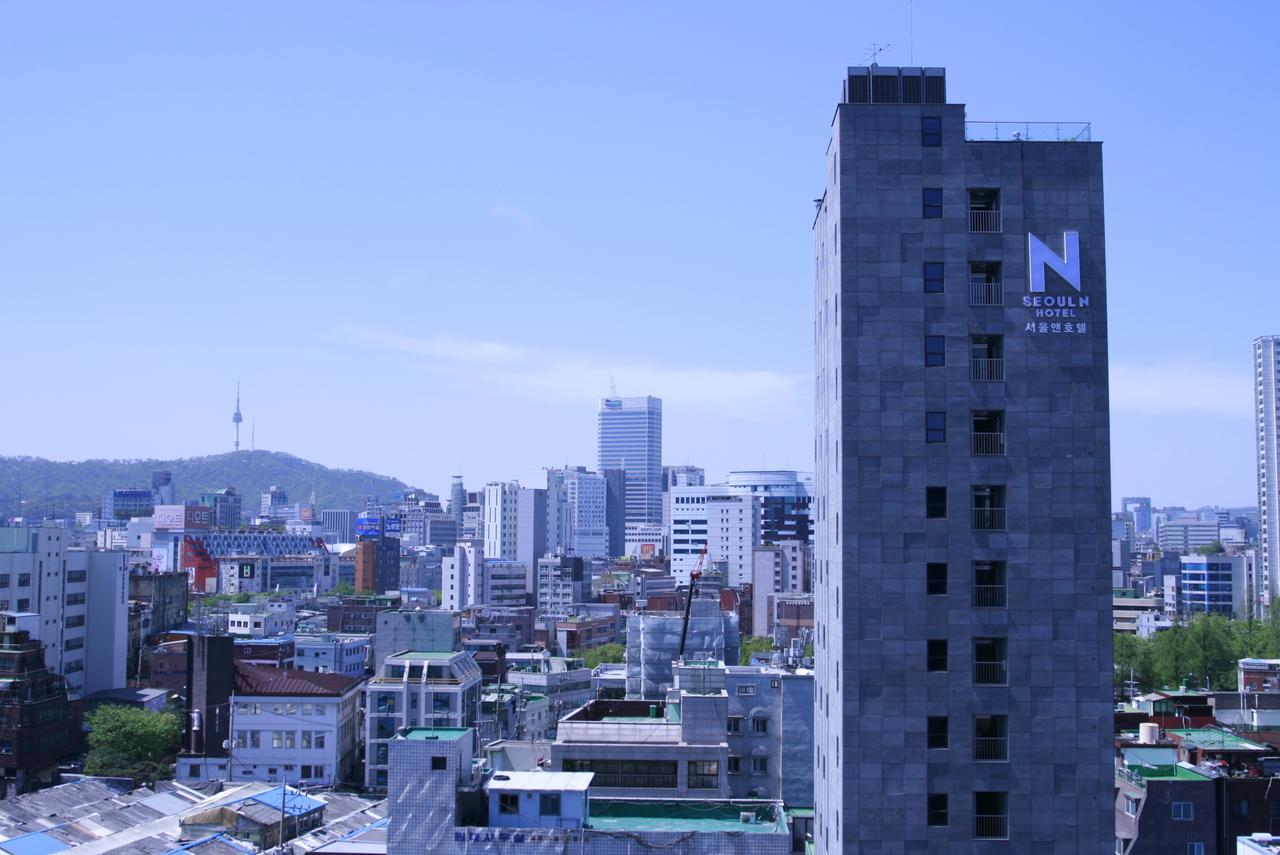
(56,488)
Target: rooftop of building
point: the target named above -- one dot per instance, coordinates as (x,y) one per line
(1169,772)
(1259,842)
(1214,739)
(439,734)
(626,712)
(540,782)
(425,654)
(263,680)
(685,815)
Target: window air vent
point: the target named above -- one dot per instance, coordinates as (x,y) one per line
(884,89)
(910,89)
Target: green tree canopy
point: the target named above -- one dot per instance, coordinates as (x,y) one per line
(128,742)
(605,653)
(1215,548)
(752,645)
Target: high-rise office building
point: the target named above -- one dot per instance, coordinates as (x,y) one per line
(457,499)
(785,497)
(1139,509)
(630,439)
(1266,365)
(962,495)
(682,476)
(577,513)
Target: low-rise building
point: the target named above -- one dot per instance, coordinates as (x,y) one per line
(295,727)
(416,629)
(416,689)
(332,653)
(564,681)
(435,780)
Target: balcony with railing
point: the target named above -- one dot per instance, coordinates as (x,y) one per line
(984,292)
(984,211)
(987,444)
(991,749)
(990,596)
(991,826)
(991,673)
(985,221)
(989,519)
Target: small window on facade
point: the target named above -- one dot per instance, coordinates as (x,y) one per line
(931,131)
(1184,811)
(937,809)
(936,655)
(509,803)
(935,351)
(935,503)
(549,804)
(935,578)
(932,203)
(438,764)
(933,277)
(935,426)
(937,731)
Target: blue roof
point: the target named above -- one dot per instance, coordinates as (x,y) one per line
(35,843)
(295,803)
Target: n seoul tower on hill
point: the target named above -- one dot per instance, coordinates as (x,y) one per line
(236,419)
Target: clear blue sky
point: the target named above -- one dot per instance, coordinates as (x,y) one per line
(424,234)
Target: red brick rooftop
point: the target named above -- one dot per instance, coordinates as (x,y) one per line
(265,680)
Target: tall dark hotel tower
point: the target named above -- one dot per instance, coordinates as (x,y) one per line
(962,498)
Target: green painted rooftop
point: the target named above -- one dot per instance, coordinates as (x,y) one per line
(660,815)
(1167,773)
(444,734)
(1214,739)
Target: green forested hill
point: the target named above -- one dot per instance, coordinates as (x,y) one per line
(49,487)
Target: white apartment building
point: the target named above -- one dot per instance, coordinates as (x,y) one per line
(727,525)
(461,575)
(261,620)
(501,501)
(74,601)
(291,726)
(437,689)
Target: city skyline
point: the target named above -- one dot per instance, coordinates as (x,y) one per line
(376,263)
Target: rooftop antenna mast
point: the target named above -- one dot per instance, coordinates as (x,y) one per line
(613,387)
(873,53)
(236,419)
(911,32)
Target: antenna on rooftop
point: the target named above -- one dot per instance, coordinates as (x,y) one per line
(911,32)
(875,50)
(613,387)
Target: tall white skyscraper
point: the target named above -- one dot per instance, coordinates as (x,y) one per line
(1266,352)
(500,533)
(630,439)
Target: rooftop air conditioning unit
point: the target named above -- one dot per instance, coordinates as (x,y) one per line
(748,817)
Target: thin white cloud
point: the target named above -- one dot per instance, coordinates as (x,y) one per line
(519,216)
(545,375)
(465,351)
(1173,388)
